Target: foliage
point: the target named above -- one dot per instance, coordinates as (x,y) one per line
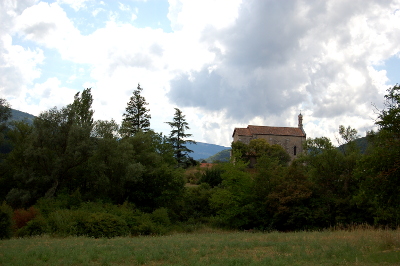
(177,139)
(379,170)
(222,156)
(6,221)
(233,200)
(212,176)
(104,225)
(258,148)
(348,135)
(21,216)
(5,114)
(136,116)
(5,110)
(84,179)
(36,227)
(289,201)
(195,204)
(240,151)
(105,129)
(53,153)
(388,119)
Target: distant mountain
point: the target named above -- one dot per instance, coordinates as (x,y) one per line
(362,144)
(204,150)
(20,116)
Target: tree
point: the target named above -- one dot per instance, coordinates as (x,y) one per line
(389,118)
(5,110)
(379,170)
(177,138)
(260,147)
(5,114)
(137,116)
(53,154)
(347,142)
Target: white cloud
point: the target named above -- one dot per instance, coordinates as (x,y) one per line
(280,57)
(43,96)
(48,25)
(194,16)
(75,4)
(96,11)
(123,7)
(226,64)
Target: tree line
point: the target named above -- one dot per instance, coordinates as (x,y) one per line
(66,150)
(66,160)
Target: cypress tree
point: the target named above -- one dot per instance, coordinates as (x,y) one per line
(137,116)
(177,138)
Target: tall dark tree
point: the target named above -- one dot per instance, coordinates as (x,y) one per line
(5,114)
(137,116)
(178,138)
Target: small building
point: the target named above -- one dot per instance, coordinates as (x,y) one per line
(290,138)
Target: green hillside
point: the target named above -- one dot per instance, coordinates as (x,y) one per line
(20,116)
(222,156)
(362,144)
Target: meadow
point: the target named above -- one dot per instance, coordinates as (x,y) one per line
(211,247)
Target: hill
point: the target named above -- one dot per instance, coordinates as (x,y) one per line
(19,116)
(222,156)
(204,150)
(362,144)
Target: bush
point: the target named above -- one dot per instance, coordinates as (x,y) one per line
(160,216)
(35,227)
(105,225)
(212,176)
(6,221)
(67,222)
(156,223)
(21,216)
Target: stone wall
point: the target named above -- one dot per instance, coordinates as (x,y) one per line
(292,144)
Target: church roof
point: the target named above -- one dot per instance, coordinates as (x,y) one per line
(266,130)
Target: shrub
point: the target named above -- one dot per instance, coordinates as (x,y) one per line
(67,222)
(6,221)
(105,225)
(21,216)
(212,176)
(156,223)
(160,216)
(35,227)
(62,201)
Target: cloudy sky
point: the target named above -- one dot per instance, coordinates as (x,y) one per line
(224,63)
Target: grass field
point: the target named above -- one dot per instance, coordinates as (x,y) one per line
(210,247)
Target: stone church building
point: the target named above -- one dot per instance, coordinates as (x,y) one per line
(290,138)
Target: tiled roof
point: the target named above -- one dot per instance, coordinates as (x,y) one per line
(265,130)
(242,131)
(206,165)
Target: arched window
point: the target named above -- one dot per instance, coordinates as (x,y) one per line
(294,150)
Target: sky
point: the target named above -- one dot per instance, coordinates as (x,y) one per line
(224,63)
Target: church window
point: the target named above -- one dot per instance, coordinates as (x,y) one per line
(294,150)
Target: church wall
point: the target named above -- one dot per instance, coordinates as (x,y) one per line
(287,142)
(244,139)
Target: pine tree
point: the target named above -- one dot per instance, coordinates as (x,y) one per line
(137,116)
(177,138)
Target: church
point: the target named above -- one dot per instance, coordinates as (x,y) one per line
(290,138)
